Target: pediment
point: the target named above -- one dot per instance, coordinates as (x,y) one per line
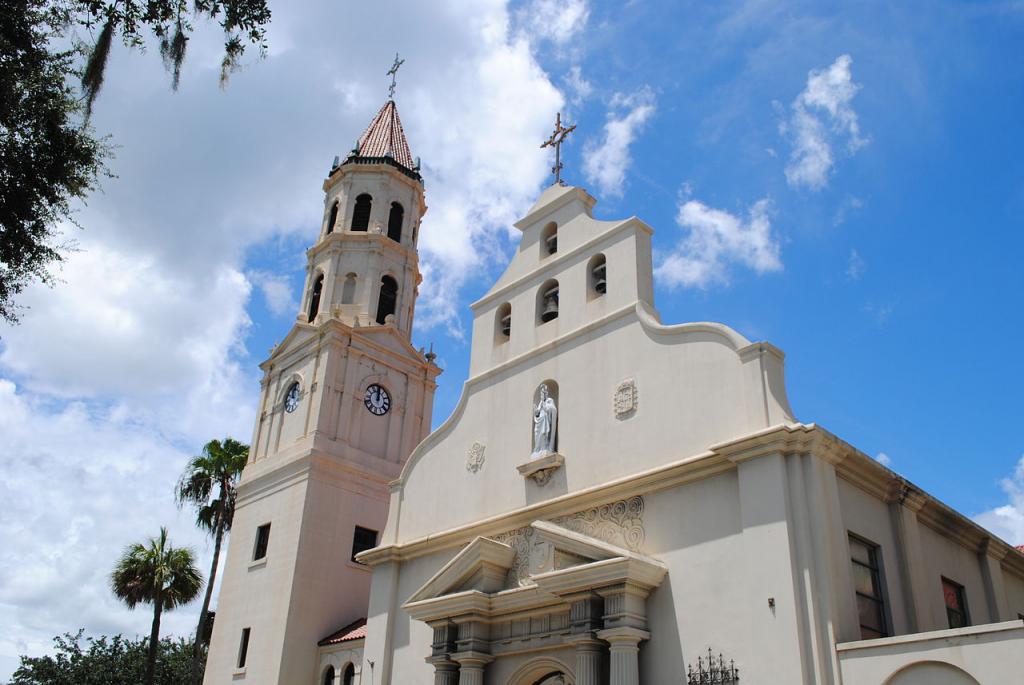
(481,566)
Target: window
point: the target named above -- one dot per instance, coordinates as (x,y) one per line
(350,675)
(388,298)
(395,222)
(262,540)
(549,240)
(598,282)
(361,213)
(867,582)
(314,301)
(243,647)
(547,301)
(329,676)
(956,605)
(503,321)
(348,290)
(333,218)
(362,540)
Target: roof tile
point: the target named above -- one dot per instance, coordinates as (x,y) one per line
(384,137)
(353,631)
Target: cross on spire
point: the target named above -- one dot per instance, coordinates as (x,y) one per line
(392,72)
(555,141)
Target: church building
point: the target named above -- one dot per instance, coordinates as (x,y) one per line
(614,500)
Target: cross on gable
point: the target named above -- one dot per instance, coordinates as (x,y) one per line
(555,141)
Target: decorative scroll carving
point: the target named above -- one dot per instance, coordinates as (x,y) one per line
(625,398)
(475,457)
(619,523)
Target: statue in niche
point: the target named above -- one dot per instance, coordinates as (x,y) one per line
(545,424)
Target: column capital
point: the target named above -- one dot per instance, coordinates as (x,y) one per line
(623,635)
(472,659)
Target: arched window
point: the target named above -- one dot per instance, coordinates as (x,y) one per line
(549,240)
(348,291)
(349,677)
(503,323)
(547,301)
(388,298)
(395,222)
(598,277)
(329,676)
(314,301)
(361,214)
(333,218)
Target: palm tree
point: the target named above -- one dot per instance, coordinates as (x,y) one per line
(209,484)
(157,574)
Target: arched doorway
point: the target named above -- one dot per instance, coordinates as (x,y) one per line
(543,671)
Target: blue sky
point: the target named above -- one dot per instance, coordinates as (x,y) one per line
(885,263)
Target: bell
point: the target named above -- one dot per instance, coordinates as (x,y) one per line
(599,280)
(552,243)
(550,310)
(506,325)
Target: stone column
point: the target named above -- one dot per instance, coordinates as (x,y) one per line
(446,671)
(589,658)
(585,618)
(471,667)
(625,649)
(917,593)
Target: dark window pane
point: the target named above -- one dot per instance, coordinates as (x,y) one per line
(361,213)
(870,613)
(243,648)
(860,552)
(864,580)
(362,540)
(262,541)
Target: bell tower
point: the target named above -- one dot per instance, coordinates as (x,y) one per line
(345,398)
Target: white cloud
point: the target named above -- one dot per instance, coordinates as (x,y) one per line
(855,266)
(714,240)
(1007,521)
(605,163)
(821,116)
(556,20)
(883,459)
(277,292)
(580,87)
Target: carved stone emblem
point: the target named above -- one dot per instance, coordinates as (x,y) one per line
(625,398)
(475,458)
(620,523)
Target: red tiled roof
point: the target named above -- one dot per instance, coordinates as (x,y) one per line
(353,631)
(1020,548)
(384,137)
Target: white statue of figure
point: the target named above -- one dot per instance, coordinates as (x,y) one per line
(545,423)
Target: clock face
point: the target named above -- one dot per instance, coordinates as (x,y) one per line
(291,400)
(377,400)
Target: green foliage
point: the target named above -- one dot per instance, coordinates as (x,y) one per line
(171,21)
(105,661)
(156,574)
(47,158)
(209,483)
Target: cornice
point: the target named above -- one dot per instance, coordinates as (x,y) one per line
(566,197)
(342,170)
(338,240)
